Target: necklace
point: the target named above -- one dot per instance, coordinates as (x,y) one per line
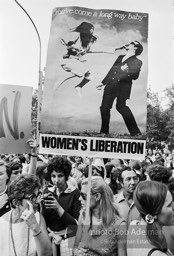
(12,238)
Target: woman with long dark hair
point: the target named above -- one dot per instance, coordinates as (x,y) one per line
(85,29)
(154,202)
(75,61)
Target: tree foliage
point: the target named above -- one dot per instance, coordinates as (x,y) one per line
(159,121)
(34,112)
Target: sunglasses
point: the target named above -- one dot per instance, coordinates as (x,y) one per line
(84,195)
(33,197)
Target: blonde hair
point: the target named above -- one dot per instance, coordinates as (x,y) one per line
(107,206)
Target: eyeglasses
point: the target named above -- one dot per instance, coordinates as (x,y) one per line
(34,197)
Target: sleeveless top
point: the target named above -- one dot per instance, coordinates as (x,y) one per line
(102,241)
(20,236)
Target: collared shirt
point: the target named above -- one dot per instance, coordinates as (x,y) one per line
(6,207)
(69,201)
(68,189)
(126,211)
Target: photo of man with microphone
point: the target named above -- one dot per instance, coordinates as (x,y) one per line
(118,84)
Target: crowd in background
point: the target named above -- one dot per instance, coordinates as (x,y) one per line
(43,203)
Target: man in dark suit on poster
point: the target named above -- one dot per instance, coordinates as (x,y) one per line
(118,84)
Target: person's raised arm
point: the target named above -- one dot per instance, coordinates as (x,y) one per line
(39,231)
(33,161)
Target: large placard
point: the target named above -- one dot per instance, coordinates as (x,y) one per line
(96,75)
(15,118)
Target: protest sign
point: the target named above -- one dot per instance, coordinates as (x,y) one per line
(90,146)
(96,76)
(15,118)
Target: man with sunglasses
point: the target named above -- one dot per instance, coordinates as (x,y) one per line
(118,84)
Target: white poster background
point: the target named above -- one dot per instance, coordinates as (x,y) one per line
(15,105)
(63,110)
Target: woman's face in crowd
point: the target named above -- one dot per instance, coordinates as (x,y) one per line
(58,179)
(95,172)
(166,216)
(78,159)
(32,198)
(83,198)
(3,175)
(15,174)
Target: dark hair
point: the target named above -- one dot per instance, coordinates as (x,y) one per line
(72,159)
(114,185)
(144,166)
(84,27)
(85,36)
(159,173)
(139,47)
(149,198)
(85,171)
(59,164)
(22,159)
(12,166)
(42,173)
(135,165)
(127,168)
(109,168)
(23,185)
(171,186)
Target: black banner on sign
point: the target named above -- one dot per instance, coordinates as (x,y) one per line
(106,147)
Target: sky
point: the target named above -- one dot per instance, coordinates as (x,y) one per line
(19,46)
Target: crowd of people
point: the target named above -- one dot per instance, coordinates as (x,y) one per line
(44,210)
